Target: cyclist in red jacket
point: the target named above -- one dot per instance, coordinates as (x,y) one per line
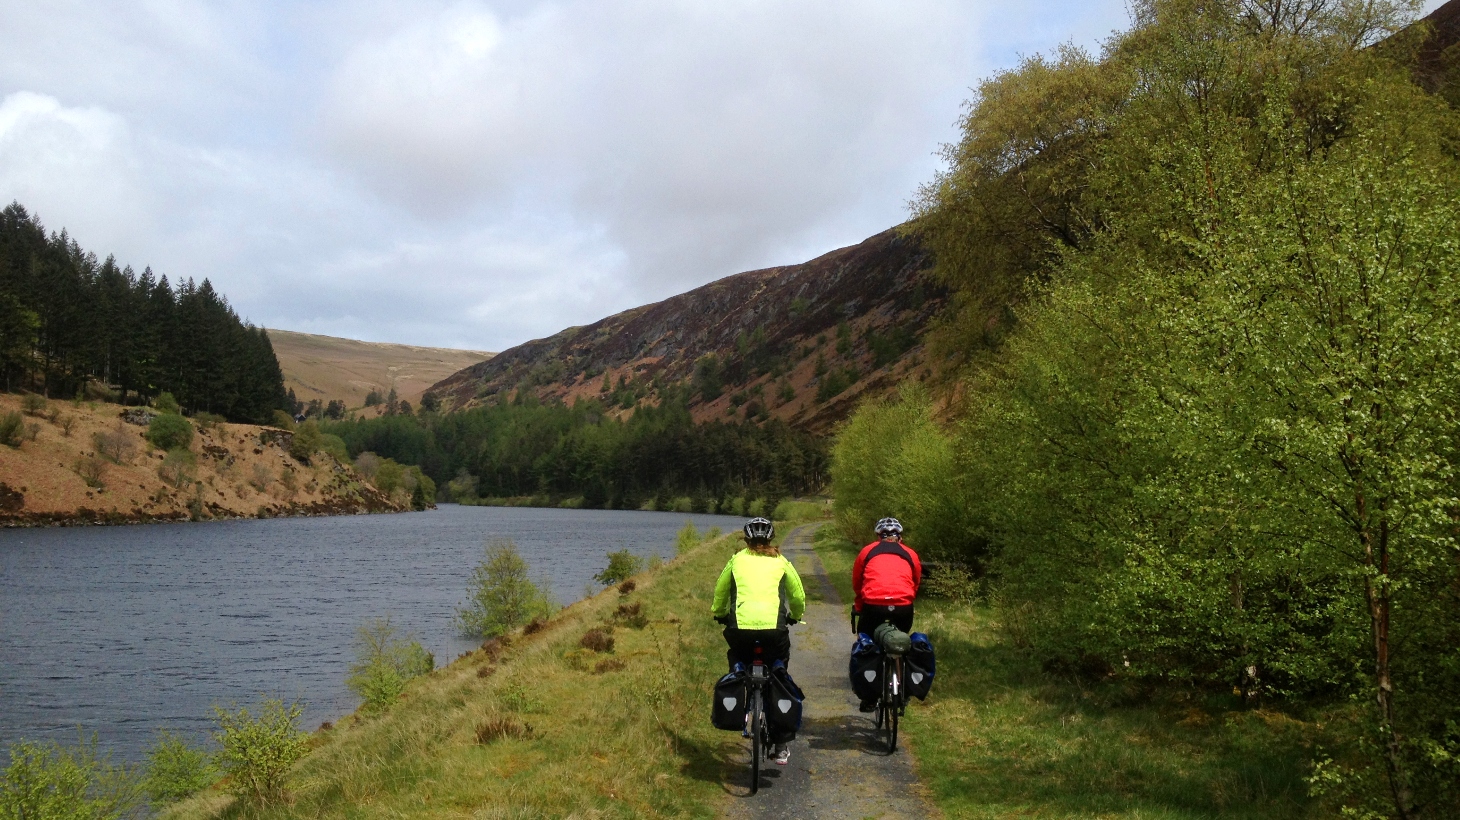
(885,581)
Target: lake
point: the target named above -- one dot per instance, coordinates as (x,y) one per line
(126,630)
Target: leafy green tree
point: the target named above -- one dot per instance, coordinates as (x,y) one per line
(501,595)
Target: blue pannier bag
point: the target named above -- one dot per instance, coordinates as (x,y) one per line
(732,699)
(783,703)
(865,669)
(920,666)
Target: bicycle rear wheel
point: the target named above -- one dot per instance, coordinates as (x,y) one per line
(757,717)
(891,697)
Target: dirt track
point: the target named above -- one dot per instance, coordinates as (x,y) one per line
(836,769)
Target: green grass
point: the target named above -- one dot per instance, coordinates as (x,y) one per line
(999,738)
(600,741)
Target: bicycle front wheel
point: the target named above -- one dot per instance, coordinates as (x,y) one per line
(757,717)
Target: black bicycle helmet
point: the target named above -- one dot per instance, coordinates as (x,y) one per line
(888,526)
(760,529)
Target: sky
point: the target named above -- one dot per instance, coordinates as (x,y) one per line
(476,174)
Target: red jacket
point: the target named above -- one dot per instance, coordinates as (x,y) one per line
(886,573)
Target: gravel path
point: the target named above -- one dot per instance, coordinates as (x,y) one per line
(836,769)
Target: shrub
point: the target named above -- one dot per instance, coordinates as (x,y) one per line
(283,420)
(12,429)
(170,431)
(116,444)
(621,565)
(256,751)
(48,781)
(598,640)
(631,615)
(175,769)
(496,728)
(208,421)
(261,477)
(756,508)
(177,467)
(423,489)
(687,539)
(502,596)
(167,404)
(609,665)
(33,404)
(627,586)
(92,470)
(384,662)
(66,422)
(366,464)
(306,441)
(463,488)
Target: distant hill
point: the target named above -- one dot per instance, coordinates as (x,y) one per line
(802,343)
(325,367)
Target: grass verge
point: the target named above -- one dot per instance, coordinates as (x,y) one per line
(998,737)
(547,727)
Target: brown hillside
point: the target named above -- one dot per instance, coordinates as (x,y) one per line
(325,367)
(240,471)
(855,316)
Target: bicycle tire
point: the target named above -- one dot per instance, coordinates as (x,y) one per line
(892,695)
(756,719)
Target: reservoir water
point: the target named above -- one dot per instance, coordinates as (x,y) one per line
(123,631)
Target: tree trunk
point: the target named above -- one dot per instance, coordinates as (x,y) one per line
(1378,599)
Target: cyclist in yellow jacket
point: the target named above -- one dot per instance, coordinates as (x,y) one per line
(758,596)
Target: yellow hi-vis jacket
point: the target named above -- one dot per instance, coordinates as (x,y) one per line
(759,591)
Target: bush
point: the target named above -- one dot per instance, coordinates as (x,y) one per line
(177,467)
(256,751)
(92,470)
(598,640)
(48,781)
(116,444)
(463,488)
(423,489)
(366,464)
(12,429)
(170,431)
(306,441)
(502,596)
(167,404)
(283,420)
(385,662)
(175,769)
(687,539)
(33,404)
(208,421)
(621,565)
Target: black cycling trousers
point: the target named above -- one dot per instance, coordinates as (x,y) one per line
(873,616)
(775,644)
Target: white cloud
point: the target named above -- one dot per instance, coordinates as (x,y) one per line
(480,172)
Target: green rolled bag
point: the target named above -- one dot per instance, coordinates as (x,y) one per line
(892,640)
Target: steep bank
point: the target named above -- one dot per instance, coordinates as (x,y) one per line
(544,727)
(800,343)
(86,464)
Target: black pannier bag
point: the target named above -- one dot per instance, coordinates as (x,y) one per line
(732,699)
(783,704)
(866,668)
(919,666)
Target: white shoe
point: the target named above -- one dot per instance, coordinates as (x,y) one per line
(781,755)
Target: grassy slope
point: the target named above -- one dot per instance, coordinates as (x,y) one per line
(635,742)
(999,738)
(325,367)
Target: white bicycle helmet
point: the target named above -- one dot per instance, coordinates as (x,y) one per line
(888,526)
(760,529)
